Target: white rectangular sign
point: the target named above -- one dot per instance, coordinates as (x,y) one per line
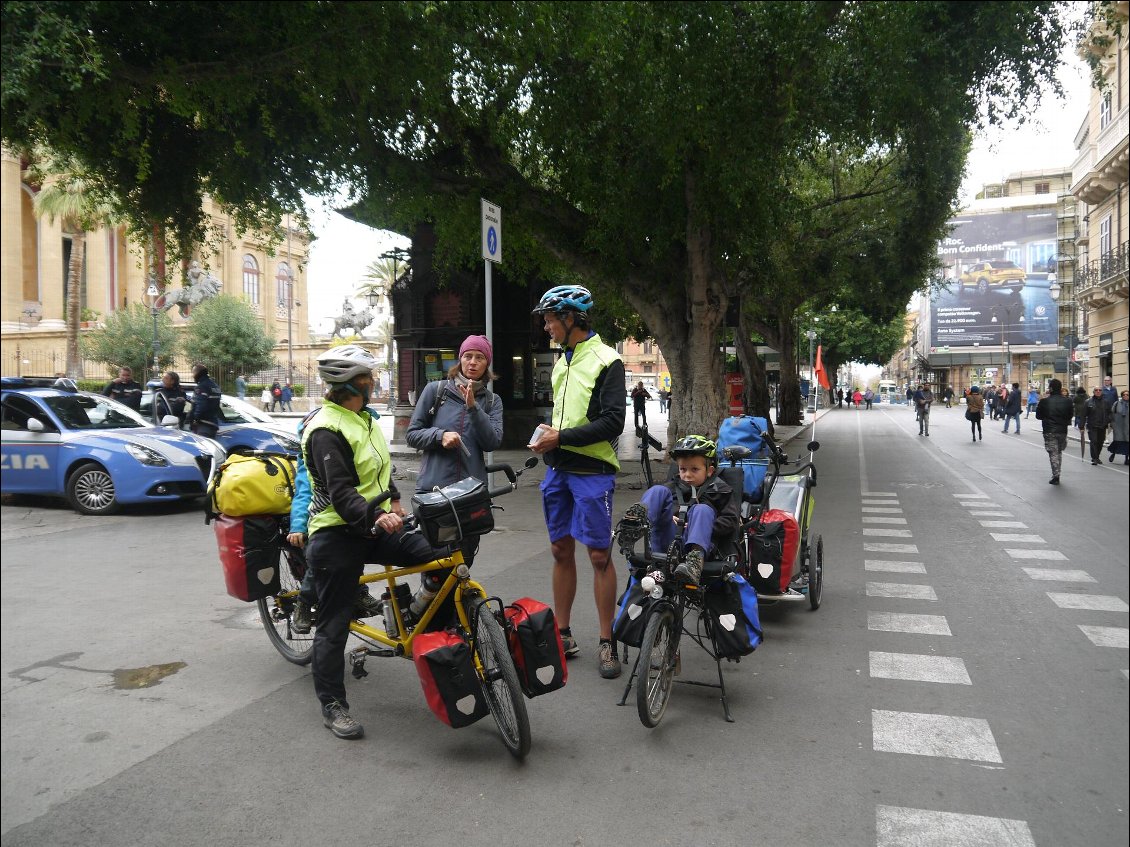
(492,232)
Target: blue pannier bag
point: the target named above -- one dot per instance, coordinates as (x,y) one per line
(731,604)
(745,431)
(631,615)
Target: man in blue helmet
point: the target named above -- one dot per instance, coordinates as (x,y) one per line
(579,447)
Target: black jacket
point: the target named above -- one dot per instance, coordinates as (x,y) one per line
(205,402)
(1012,407)
(124,392)
(717,494)
(1056,412)
(1096,413)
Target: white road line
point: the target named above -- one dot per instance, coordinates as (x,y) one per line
(880,494)
(991,514)
(913,667)
(1089,602)
(901,591)
(1017,537)
(1051,555)
(1107,636)
(880,510)
(1053,575)
(972,496)
(893,567)
(912,624)
(976,504)
(872,519)
(933,735)
(1003,524)
(899,827)
(888,533)
(880,547)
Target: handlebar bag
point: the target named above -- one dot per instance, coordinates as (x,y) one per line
(250,548)
(446,668)
(773,544)
(731,606)
(254,485)
(536,647)
(448,515)
(744,431)
(631,614)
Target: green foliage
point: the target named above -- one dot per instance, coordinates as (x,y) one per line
(126,339)
(227,334)
(848,335)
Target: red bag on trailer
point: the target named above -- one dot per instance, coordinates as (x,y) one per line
(773,548)
(250,547)
(535,645)
(446,668)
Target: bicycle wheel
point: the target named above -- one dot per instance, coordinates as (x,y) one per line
(498,677)
(656,666)
(816,572)
(275,612)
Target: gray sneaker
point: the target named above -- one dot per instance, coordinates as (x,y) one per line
(570,645)
(608,662)
(338,721)
(300,620)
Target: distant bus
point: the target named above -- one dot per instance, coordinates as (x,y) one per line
(888,391)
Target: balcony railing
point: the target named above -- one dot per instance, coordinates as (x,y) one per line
(1107,268)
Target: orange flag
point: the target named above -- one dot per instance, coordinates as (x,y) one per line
(821,374)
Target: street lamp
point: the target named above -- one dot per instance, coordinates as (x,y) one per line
(152,296)
(811,364)
(1006,326)
(396,255)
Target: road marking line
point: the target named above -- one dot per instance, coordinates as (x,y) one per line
(893,567)
(1054,575)
(880,547)
(870,519)
(1053,555)
(1019,538)
(979,505)
(972,496)
(912,667)
(1089,602)
(901,591)
(888,533)
(991,514)
(933,735)
(1003,524)
(880,494)
(913,624)
(1107,636)
(899,827)
(880,510)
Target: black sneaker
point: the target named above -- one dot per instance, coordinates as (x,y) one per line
(301,620)
(1053,481)
(690,571)
(367,605)
(338,721)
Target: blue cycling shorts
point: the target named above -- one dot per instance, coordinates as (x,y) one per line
(578,505)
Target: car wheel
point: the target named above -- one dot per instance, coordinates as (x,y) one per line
(982,286)
(90,490)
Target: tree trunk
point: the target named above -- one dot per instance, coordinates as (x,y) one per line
(756,392)
(74,302)
(788,395)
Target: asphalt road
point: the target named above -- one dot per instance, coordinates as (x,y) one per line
(961,688)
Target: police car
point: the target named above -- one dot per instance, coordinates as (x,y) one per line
(96,452)
(243,428)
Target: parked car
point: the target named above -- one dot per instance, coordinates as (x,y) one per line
(96,452)
(243,428)
(998,273)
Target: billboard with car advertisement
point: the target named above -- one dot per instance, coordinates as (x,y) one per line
(998,267)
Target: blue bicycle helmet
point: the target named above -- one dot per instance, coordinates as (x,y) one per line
(565,298)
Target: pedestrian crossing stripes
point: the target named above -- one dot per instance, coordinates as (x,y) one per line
(907,623)
(884,547)
(1018,538)
(1003,524)
(901,591)
(945,736)
(911,667)
(972,496)
(879,494)
(873,519)
(879,502)
(888,533)
(899,827)
(981,505)
(1089,602)
(1053,575)
(879,510)
(1053,555)
(1107,636)
(893,567)
(991,514)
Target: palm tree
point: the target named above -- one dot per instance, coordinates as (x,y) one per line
(381,275)
(68,193)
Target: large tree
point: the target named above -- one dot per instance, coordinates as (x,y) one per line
(666,152)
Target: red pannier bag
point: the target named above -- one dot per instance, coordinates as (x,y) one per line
(535,645)
(250,547)
(446,668)
(773,547)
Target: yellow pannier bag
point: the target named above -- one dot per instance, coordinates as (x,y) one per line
(262,484)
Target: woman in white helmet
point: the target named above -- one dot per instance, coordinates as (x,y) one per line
(349,466)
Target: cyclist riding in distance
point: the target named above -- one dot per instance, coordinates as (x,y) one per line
(711,511)
(579,448)
(349,465)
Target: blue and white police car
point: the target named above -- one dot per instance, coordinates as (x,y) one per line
(96,452)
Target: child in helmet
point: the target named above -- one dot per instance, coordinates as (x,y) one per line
(710,514)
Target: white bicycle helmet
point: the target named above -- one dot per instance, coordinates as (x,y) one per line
(340,364)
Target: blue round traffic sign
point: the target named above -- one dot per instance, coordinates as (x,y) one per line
(492,241)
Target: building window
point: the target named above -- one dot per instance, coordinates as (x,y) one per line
(1043,188)
(1106,111)
(1105,242)
(281,283)
(251,279)
(647,347)
(620,347)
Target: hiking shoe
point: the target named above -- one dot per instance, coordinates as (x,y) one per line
(570,645)
(607,661)
(1053,481)
(338,721)
(301,620)
(367,605)
(690,570)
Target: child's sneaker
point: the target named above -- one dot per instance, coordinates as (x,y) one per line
(690,570)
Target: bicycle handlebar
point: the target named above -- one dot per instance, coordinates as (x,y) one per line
(511,475)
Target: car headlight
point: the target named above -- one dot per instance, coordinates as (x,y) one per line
(289,444)
(147,455)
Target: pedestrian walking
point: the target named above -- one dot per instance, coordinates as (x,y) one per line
(923,399)
(286,394)
(868,397)
(640,396)
(1110,396)
(857,398)
(241,387)
(1012,408)
(1054,413)
(265,398)
(1120,426)
(947,395)
(276,394)
(1079,405)
(1096,417)
(975,411)
(1033,399)
(840,397)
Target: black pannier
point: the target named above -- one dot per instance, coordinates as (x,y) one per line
(448,515)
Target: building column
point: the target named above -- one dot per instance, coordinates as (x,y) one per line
(53,274)
(11,242)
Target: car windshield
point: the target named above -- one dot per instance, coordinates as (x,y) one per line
(235,410)
(88,411)
(1004,266)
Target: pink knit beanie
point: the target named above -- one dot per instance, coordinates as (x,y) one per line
(477,342)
